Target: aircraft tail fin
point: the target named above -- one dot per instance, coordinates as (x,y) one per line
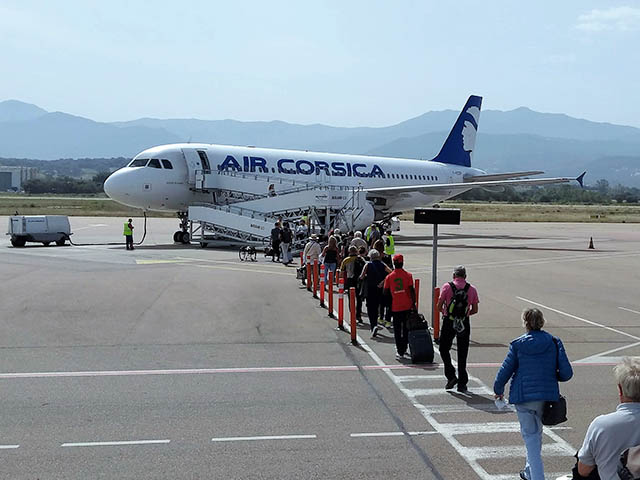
(458,148)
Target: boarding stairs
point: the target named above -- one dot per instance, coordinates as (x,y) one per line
(250,211)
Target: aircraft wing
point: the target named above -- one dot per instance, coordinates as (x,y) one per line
(500,176)
(462,187)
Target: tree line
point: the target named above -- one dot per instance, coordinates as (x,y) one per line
(66,184)
(600,193)
(71,167)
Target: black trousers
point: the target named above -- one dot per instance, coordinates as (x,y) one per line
(447,334)
(129,241)
(400,331)
(353,282)
(373,307)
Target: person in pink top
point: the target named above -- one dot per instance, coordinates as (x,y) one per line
(458,301)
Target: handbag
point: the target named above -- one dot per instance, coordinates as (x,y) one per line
(555,412)
(301,272)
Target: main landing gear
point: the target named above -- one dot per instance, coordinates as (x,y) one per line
(182,235)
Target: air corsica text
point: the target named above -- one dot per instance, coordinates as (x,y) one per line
(302,167)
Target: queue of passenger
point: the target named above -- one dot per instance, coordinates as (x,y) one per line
(534,365)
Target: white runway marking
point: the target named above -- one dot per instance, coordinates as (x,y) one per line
(534,261)
(595,324)
(423,392)
(264,437)
(111,444)
(629,310)
(601,358)
(418,378)
(9,447)
(326,368)
(391,434)
(186,371)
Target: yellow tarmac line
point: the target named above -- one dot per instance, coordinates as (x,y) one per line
(236,262)
(221,267)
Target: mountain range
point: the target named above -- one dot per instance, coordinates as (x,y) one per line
(514,140)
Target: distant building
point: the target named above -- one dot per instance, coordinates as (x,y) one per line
(12,178)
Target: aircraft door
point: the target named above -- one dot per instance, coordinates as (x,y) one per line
(193,164)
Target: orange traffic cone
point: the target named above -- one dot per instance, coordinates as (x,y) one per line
(591,247)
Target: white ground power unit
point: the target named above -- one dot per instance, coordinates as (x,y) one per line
(43,229)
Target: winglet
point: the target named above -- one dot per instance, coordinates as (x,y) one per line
(580,179)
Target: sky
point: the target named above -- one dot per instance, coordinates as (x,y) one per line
(342,63)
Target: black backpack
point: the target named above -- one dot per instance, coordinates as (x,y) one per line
(458,307)
(285,236)
(358,266)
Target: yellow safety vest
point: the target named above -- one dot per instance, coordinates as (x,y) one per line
(127,230)
(391,248)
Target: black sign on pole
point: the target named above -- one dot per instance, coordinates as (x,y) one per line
(436,216)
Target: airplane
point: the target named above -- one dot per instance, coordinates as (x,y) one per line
(166,177)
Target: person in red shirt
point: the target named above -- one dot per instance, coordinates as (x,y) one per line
(399,284)
(455,324)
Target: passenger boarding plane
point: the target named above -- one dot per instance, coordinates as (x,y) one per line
(176,177)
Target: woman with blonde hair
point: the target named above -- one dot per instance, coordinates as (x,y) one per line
(331,255)
(535,363)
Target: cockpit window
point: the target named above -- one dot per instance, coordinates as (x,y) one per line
(139,162)
(154,163)
(167,164)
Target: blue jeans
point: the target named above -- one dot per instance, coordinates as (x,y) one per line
(529,416)
(330,267)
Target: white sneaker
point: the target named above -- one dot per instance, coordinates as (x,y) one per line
(399,357)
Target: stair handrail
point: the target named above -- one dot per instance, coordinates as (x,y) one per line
(341,213)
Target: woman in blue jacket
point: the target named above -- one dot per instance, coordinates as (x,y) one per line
(535,363)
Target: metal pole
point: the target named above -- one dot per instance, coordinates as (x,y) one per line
(434,274)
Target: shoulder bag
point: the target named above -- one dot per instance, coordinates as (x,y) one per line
(555,412)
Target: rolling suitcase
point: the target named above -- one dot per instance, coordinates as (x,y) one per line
(420,346)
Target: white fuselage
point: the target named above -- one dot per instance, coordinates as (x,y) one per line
(157,187)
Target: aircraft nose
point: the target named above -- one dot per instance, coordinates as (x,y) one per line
(115,186)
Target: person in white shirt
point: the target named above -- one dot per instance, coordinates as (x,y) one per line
(610,434)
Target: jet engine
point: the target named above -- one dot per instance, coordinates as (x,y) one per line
(356,219)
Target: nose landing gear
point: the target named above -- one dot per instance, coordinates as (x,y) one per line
(182,236)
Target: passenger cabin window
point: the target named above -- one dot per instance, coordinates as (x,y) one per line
(154,163)
(204,159)
(139,162)
(167,164)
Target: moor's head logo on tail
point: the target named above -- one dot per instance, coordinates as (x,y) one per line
(470,128)
(458,147)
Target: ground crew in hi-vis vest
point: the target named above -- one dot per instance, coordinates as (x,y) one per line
(128,234)
(389,244)
(368,232)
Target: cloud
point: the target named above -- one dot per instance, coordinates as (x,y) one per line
(622,19)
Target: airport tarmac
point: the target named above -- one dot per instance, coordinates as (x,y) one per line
(175,361)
